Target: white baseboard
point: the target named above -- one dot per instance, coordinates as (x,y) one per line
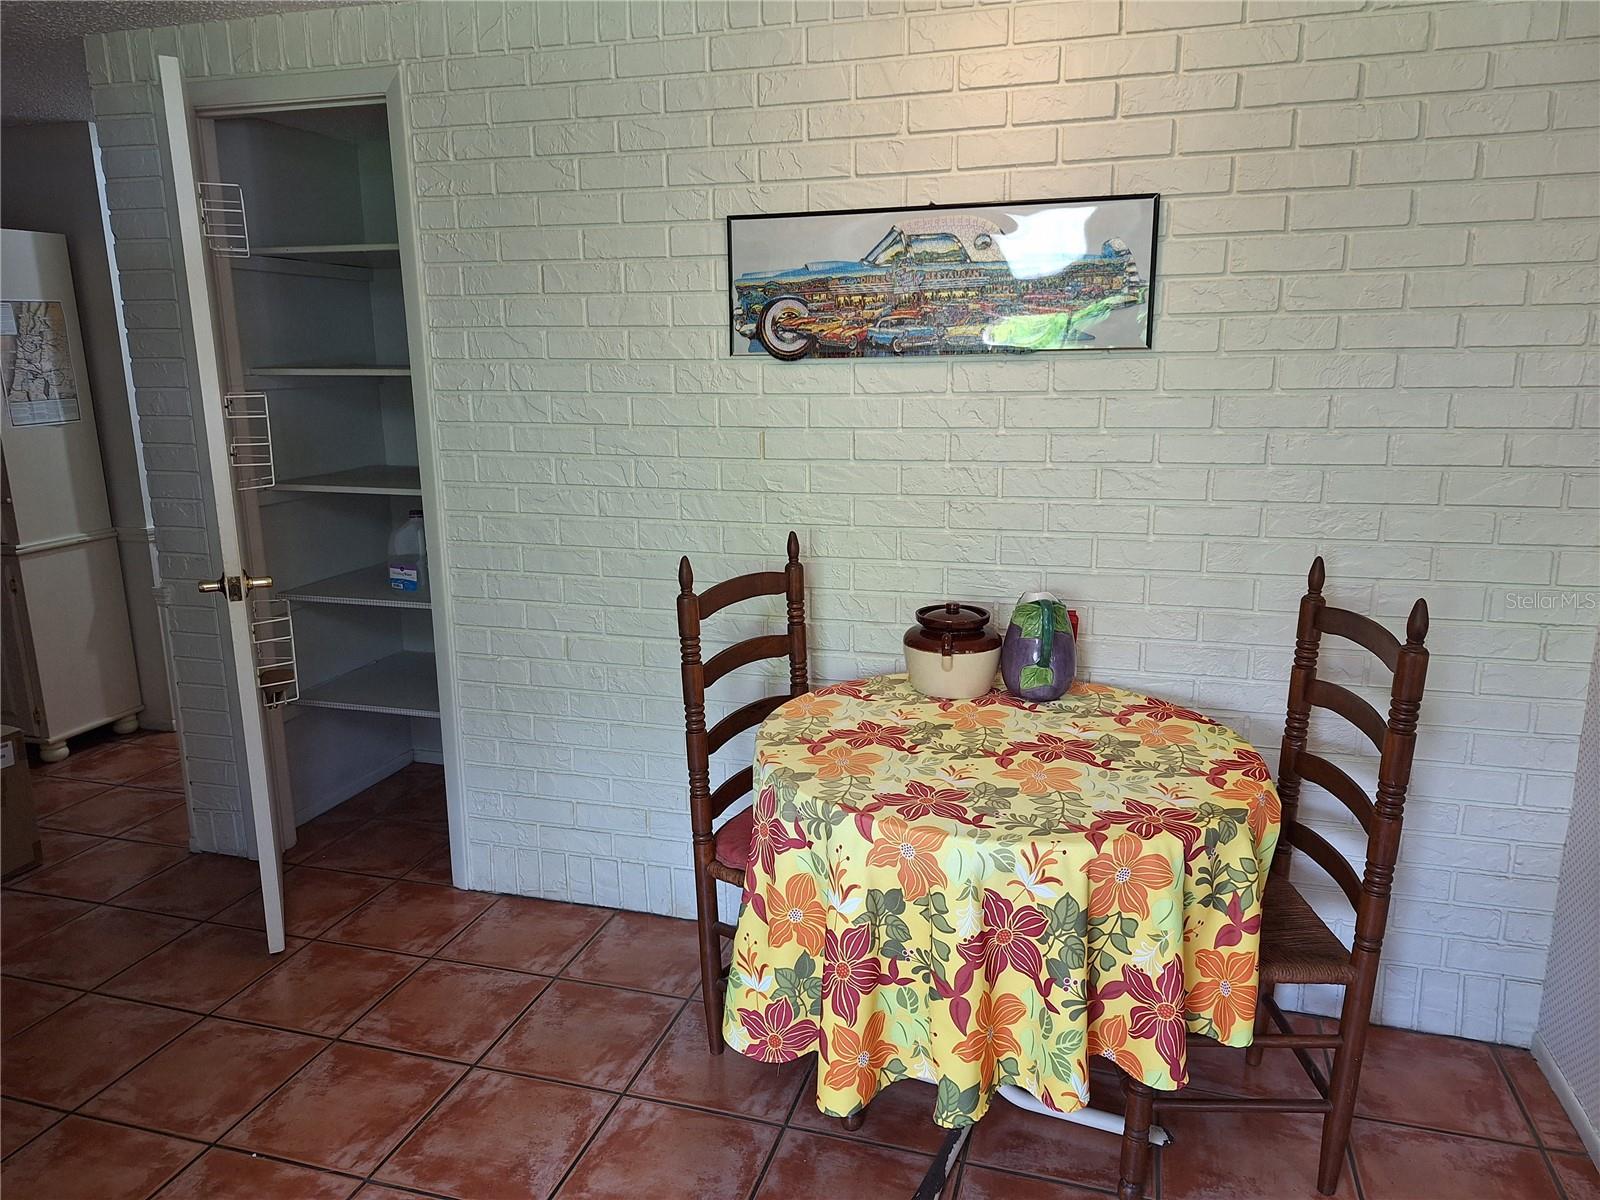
(1569,1098)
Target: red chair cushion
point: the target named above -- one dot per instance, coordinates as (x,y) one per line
(733,839)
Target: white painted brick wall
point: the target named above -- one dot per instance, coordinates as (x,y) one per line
(1375,341)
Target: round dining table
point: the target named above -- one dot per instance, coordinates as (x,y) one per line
(988,892)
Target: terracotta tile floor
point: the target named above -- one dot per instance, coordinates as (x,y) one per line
(417,1041)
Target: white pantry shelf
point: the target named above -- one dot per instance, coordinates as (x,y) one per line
(342,370)
(383,480)
(367,586)
(342,254)
(405,684)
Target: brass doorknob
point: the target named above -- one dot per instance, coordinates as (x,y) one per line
(235,586)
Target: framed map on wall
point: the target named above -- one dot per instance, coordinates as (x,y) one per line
(944,279)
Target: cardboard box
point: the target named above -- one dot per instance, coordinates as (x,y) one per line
(19,830)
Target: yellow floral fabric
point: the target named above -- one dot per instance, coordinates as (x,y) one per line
(984,892)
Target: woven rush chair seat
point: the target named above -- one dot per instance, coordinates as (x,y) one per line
(733,842)
(1296,945)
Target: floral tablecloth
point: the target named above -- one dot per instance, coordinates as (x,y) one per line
(989,891)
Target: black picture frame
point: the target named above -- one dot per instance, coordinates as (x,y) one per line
(740,313)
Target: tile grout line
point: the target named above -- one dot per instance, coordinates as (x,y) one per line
(624,1095)
(342,1038)
(783,1126)
(466,1068)
(331,1039)
(77,1110)
(200,1017)
(19,885)
(1455,1133)
(211,1015)
(206,1146)
(477,1063)
(106,784)
(92,989)
(218,1143)
(788,1119)
(1052,1180)
(1533,1126)
(495,1042)
(196,923)
(1355,1173)
(632,1079)
(121,835)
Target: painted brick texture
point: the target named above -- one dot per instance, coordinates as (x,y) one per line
(1375,341)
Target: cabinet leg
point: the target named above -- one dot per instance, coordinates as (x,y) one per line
(53,752)
(127,724)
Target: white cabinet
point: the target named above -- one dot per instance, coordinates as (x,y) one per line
(303,304)
(68,645)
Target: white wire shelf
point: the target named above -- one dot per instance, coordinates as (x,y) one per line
(383,480)
(404,684)
(367,586)
(343,254)
(345,370)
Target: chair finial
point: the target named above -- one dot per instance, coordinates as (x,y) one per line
(685,575)
(1417,623)
(794,547)
(1317,576)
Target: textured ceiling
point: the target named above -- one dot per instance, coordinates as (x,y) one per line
(42,77)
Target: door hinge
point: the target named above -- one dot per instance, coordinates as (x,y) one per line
(222,219)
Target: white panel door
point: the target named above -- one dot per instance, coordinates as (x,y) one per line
(233,586)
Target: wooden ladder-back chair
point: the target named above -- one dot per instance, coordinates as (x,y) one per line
(1296,946)
(723,854)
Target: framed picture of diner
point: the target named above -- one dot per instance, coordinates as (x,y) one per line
(944,279)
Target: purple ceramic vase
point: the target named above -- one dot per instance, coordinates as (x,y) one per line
(1039,656)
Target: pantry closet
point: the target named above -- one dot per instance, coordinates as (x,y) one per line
(312,308)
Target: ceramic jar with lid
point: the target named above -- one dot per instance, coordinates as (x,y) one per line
(951,653)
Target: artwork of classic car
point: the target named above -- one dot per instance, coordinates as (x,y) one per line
(949,282)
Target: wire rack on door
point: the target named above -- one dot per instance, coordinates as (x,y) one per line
(272,632)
